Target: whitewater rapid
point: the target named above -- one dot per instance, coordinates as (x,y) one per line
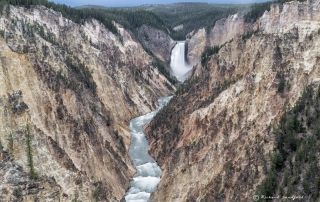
(178,64)
(148,174)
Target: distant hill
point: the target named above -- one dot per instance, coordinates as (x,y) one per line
(192,16)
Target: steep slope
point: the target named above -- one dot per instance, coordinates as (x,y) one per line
(16,183)
(77,86)
(214,138)
(223,31)
(159,43)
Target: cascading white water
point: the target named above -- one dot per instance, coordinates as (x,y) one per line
(148,174)
(179,67)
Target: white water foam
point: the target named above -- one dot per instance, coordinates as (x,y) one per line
(148,174)
(179,67)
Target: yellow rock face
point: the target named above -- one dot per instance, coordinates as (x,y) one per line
(226,117)
(80,136)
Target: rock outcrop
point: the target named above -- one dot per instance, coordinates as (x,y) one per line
(282,18)
(223,31)
(159,43)
(77,86)
(17,186)
(214,137)
(228,28)
(196,45)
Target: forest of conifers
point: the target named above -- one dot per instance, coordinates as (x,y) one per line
(192,16)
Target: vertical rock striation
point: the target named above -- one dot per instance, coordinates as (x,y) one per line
(158,42)
(77,86)
(214,137)
(224,30)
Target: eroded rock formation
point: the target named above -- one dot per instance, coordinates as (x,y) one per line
(215,136)
(158,42)
(77,86)
(224,30)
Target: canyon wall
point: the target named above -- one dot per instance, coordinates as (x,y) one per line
(223,31)
(196,45)
(214,138)
(158,42)
(228,28)
(76,87)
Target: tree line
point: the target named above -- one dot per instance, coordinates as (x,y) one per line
(293,166)
(78,16)
(258,9)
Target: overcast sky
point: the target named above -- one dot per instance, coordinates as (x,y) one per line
(113,3)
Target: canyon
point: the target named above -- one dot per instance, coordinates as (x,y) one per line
(78,87)
(70,94)
(214,139)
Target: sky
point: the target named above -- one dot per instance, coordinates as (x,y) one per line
(115,3)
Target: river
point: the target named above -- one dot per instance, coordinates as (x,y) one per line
(148,174)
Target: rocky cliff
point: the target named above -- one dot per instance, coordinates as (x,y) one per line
(223,31)
(75,87)
(214,138)
(196,45)
(158,42)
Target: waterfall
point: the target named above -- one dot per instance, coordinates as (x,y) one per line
(148,174)
(179,67)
